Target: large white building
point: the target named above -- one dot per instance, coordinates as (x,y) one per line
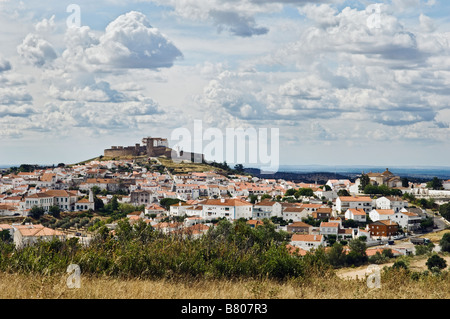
(29,234)
(343,203)
(229,208)
(65,200)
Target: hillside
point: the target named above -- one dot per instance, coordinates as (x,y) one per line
(312,177)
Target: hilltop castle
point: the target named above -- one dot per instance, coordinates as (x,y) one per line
(153,147)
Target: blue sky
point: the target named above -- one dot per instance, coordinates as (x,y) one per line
(340,90)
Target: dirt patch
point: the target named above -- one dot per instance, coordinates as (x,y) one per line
(418,264)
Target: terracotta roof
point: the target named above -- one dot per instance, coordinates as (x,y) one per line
(385,211)
(302,237)
(328,224)
(296,250)
(357,212)
(293,209)
(299,224)
(37,231)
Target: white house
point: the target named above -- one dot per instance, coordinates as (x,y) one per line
(267,209)
(346,202)
(30,234)
(307,242)
(356,214)
(65,200)
(381,214)
(295,213)
(234,208)
(407,220)
(329,228)
(179,209)
(390,202)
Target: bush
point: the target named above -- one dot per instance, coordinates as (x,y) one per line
(436,263)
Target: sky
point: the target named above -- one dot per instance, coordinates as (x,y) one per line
(343,82)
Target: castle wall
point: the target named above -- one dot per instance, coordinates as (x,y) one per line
(118,151)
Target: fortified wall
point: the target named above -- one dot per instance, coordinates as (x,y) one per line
(153,147)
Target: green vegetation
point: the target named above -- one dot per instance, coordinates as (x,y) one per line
(445,242)
(435,183)
(444,211)
(436,263)
(230,250)
(381,190)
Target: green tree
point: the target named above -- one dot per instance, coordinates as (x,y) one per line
(304,192)
(290,192)
(5,236)
(55,211)
(239,168)
(445,242)
(336,255)
(444,211)
(364,180)
(167,202)
(405,182)
(436,263)
(357,255)
(343,192)
(96,190)
(36,212)
(435,183)
(424,249)
(253,198)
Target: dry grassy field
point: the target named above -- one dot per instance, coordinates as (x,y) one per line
(393,286)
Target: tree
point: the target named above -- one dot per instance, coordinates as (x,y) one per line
(5,236)
(424,249)
(253,198)
(304,192)
(436,263)
(290,192)
(343,192)
(364,180)
(96,190)
(357,255)
(36,212)
(55,211)
(444,211)
(405,182)
(239,168)
(435,183)
(336,255)
(167,202)
(445,242)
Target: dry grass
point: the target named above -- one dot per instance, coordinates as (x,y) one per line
(183,168)
(436,236)
(19,286)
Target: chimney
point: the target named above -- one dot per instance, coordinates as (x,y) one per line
(222,200)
